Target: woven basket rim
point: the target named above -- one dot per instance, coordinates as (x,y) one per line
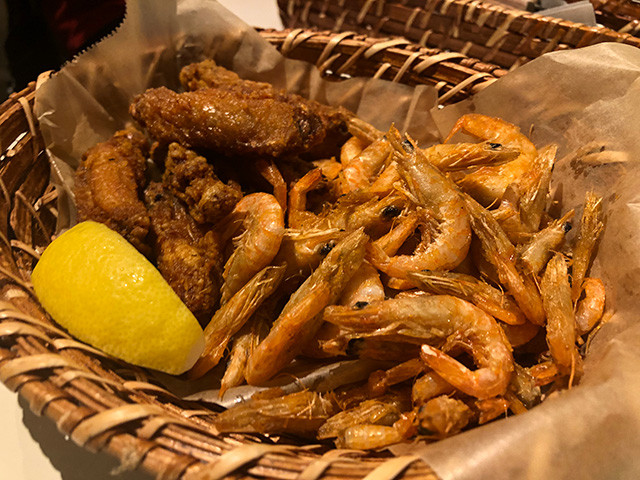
(490,33)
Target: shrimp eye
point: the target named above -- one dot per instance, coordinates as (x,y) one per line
(495,146)
(158,197)
(354,346)
(360,305)
(567,227)
(326,248)
(408,146)
(391,211)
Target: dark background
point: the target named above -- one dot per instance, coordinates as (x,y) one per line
(41,35)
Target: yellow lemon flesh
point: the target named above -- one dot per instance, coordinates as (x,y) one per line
(104,292)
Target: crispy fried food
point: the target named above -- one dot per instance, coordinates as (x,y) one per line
(207,74)
(109,182)
(188,258)
(236,120)
(190,178)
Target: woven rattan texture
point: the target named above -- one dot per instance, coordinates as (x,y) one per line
(620,15)
(105,405)
(490,33)
(338,55)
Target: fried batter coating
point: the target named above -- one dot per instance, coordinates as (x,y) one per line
(188,258)
(193,180)
(235,120)
(109,182)
(207,74)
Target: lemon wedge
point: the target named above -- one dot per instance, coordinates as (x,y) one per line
(104,292)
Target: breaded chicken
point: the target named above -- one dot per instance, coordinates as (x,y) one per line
(207,74)
(109,184)
(188,257)
(190,178)
(236,119)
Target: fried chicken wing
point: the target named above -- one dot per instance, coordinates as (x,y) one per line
(193,180)
(207,74)
(236,120)
(188,258)
(109,182)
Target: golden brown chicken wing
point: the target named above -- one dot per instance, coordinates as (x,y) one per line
(207,74)
(243,118)
(193,180)
(188,258)
(109,182)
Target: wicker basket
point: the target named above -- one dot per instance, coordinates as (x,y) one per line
(106,405)
(490,33)
(620,15)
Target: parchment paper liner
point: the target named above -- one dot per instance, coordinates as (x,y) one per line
(575,98)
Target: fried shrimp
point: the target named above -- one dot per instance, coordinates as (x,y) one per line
(365,286)
(443,416)
(561,327)
(482,295)
(300,413)
(590,308)
(591,226)
(233,315)
(262,221)
(380,411)
(437,194)
(488,183)
(458,156)
(353,210)
(499,251)
(300,319)
(430,320)
(269,171)
(358,172)
(537,252)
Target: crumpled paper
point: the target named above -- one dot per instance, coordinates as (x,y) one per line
(585,100)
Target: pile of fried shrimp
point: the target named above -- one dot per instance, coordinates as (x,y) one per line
(293,230)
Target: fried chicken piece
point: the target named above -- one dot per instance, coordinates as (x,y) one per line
(188,258)
(207,74)
(235,120)
(193,180)
(109,182)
